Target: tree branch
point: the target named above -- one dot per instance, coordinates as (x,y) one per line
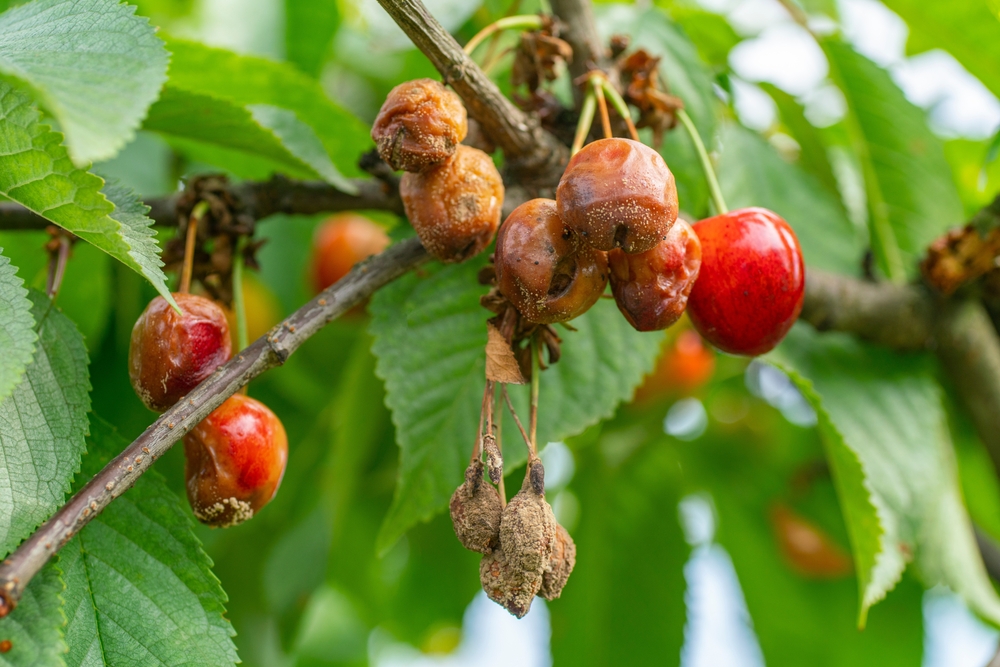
(263,198)
(527,148)
(266,352)
(581,34)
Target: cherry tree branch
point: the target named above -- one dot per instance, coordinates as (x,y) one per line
(263,198)
(266,352)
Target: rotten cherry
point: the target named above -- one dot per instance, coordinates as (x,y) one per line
(420,125)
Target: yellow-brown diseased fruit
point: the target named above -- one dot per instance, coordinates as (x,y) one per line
(618,193)
(455,207)
(234,461)
(170,353)
(475,511)
(560,566)
(542,269)
(419,126)
(651,288)
(506,585)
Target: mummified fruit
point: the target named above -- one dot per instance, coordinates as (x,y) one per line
(170,353)
(651,288)
(342,241)
(618,193)
(455,207)
(475,511)
(752,281)
(235,459)
(542,269)
(560,565)
(420,125)
(506,585)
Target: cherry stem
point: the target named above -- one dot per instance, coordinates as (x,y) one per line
(602,105)
(499,441)
(239,302)
(706,163)
(532,454)
(618,102)
(189,241)
(477,447)
(536,380)
(586,120)
(57,266)
(522,22)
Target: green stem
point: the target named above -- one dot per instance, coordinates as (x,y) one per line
(239,304)
(618,102)
(706,163)
(586,120)
(522,22)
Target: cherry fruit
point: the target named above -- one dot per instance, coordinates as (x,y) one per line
(752,281)
(170,353)
(808,548)
(455,207)
(235,459)
(618,193)
(342,241)
(651,288)
(420,125)
(542,270)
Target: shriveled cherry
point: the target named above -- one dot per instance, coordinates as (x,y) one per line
(542,270)
(455,207)
(234,461)
(420,125)
(170,353)
(340,242)
(618,193)
(651,288)
(752,281)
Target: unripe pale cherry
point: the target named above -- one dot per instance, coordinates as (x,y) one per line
(340,242)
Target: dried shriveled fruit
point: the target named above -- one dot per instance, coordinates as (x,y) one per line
(541,267)
(475,511)
(618,193)
(420,125)
(170,353)
(234,461)
(455,207)
(506,585)
(560,566)
(651,288)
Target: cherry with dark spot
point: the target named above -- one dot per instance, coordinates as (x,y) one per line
(752,281)
(420,125)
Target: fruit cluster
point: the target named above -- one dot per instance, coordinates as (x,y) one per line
(452,194)
(740,275)
(526,552)
(235,457)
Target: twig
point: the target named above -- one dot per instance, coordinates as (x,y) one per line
(499,427)
(581,34)
(267,352)
(528,149)
(536,381)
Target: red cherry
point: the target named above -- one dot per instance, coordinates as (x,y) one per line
(170,353)
(341,242)
(235,459)
(651,288)
(752,281)
(618,193)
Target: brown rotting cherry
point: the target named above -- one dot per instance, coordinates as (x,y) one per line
(171,353)
(455,207)
(235,459)
(420,125)
(542,269)
(618,193)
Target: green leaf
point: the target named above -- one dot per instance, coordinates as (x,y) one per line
(624,602)
(139,587)
(888,445)
(430,337)
(17,328)
(247,80)
(911,196)
(710,32)
(965,28)
(309,30)
(35,627)
(827,237)
(93,64)
(42,426)
(36,172)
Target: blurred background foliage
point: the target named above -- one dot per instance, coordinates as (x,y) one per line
(698,506)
